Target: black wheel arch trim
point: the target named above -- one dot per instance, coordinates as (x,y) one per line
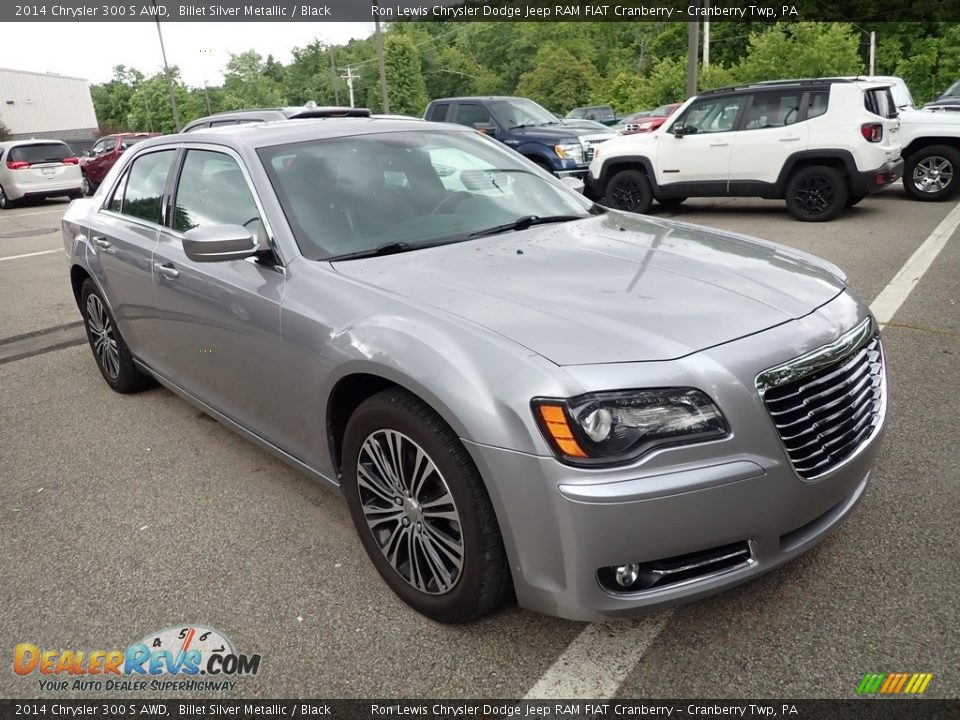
(600,184)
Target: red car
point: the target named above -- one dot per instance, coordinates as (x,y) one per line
(97,161)
(652,121)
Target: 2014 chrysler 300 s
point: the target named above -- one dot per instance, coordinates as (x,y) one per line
(514,387)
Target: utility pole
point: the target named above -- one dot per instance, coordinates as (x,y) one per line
(706,37)
(383,69)
(166,70)
(693,33)
(333,75)
(206,90)
(350,77)
(873,52)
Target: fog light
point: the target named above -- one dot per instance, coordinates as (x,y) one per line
(626,575)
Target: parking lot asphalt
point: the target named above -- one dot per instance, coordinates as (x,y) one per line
(122,515)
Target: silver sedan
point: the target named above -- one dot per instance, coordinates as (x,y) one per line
(516,390)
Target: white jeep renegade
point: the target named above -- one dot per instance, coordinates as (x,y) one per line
(822,145)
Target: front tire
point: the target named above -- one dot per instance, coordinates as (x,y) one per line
(109,349)
(421,509)
(630,190)
(816,194)
(933,173)
(88,187)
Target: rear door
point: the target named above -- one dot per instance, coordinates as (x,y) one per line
(774,128)
(122,240)
(216,325)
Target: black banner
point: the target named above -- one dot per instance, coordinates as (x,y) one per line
(862,709)
(859,11)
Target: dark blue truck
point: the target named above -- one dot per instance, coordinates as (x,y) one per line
(525,126)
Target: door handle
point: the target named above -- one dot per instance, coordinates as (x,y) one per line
(719,144)
(167,270)
(101,242)
(789,139)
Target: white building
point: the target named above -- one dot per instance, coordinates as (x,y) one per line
(46,105)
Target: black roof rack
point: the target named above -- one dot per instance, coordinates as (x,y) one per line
(777,83)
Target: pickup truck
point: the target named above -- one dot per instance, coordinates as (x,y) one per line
(525,126)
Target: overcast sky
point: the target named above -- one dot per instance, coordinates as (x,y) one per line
(91,50)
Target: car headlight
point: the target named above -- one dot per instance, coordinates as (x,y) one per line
(569,152)
(610,427)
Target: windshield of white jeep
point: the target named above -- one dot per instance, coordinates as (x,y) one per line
(356,194)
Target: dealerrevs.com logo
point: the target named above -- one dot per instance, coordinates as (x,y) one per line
(176,658)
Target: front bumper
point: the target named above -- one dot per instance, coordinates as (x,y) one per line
(562,524)
(870,182)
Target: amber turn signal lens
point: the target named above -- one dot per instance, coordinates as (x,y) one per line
(555,422)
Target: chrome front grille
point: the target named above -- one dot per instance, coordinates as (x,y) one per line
(828,403)
(590,144)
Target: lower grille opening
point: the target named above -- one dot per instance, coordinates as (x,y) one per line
(656,574)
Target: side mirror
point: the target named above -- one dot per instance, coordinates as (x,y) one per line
(216,243)
(574,183)
(678,129)
(87,153)
(486,129)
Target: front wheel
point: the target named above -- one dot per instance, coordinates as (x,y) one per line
(630,190)
(88,187)
(931,174)
(421,509)
(109,349)
(816,194)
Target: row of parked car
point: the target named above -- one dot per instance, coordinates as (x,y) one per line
(821,145)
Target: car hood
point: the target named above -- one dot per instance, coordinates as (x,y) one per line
(911,116)
(614,288)
(558,133)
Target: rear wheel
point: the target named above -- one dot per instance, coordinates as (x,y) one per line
(932,173)
(421,509)
(816,194)
(5,202)
(88,187)
(109,349)
(629,190)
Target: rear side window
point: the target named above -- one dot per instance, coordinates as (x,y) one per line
(772,110)
(40,153)
(880,102)
(143,189)
(817,103)
(438,113)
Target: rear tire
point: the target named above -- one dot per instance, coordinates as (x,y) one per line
(421,509)
(629,190)
(817,193)
(110,352)
(5,202)
(88,187)
(933,173)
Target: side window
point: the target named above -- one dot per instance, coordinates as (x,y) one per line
(712,115)
(116,201)
(221,123)
(439,112)
(97,148)
(143,190)
(772,110)
(109,145)
(817,103)
(470,114)
(212,190)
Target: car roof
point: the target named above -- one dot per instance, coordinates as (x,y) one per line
(282,132)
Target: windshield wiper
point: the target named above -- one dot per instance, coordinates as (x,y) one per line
(524,222)
(391,248)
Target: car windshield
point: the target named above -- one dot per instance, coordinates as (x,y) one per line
(133,140)
(520,112)
(40,153)
(952,91)
(357,194)
(662,111)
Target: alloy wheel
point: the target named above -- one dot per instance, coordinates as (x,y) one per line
(933,174)
(628,194)
(101,336)
(814,195)
(4,202)
(410,511)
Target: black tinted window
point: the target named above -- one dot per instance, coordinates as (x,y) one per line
(143,195)
(40,153)
(439,112)
(213,191)
(880,102)
(469,114)
(817,103)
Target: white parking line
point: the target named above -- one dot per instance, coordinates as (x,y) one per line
(599,659)
(12,216)
(17,257)
(896,292)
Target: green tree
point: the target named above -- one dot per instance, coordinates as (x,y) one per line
(248,82)
(801,49)
(408,90)
(112,99)
(559,80)
(5,133)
